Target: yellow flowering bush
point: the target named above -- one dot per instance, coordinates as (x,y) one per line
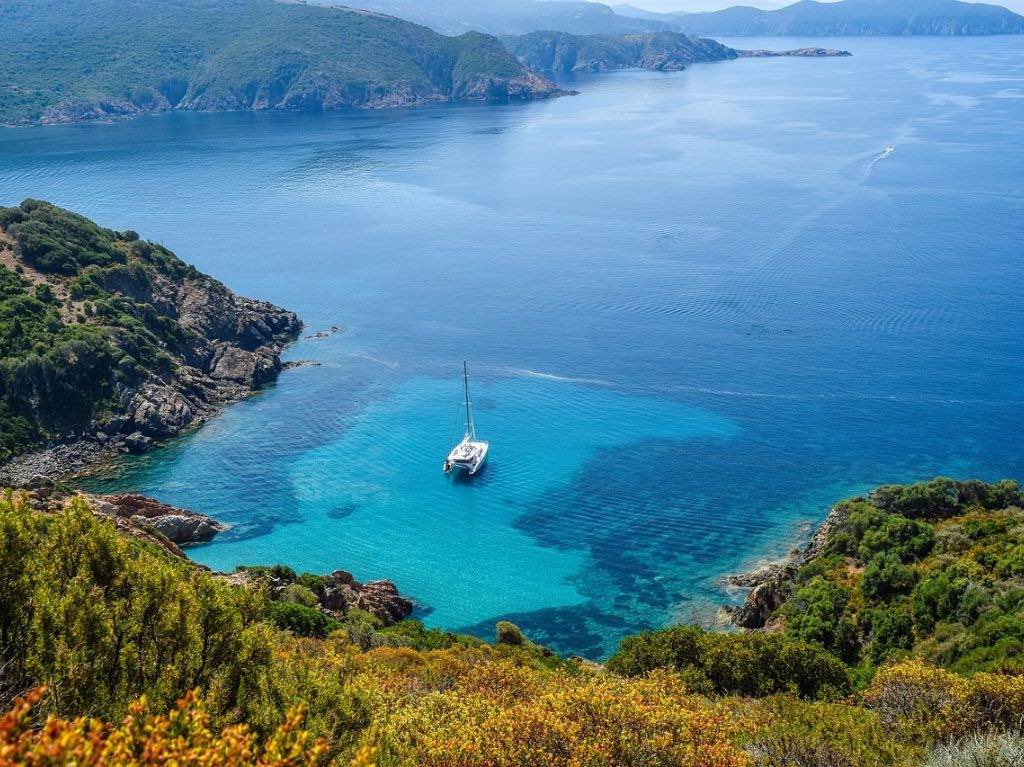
(181,738)
(502,715)
(933,703)
(922,697)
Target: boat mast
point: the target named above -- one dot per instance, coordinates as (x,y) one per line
(469,407)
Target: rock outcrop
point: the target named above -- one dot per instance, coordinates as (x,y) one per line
(134,515)
(771,586)
(336,594)
(379,598)
(180,526)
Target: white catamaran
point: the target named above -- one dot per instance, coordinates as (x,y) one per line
(469,455)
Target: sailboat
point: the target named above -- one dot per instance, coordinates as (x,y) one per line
(469,455)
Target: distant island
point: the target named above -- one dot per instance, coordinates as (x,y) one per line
(847,18)
(110,343)
(73,60)
(559,52)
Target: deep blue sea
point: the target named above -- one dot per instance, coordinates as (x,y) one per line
(698,308)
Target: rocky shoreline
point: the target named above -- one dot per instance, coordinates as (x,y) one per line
(235,351)
(336,594)
(172,528)
(134,515)
(770,586)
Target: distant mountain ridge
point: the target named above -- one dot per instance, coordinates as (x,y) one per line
(849,18)
(514,17)
(74,60)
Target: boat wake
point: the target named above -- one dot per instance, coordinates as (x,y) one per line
(886,151)
(563,379)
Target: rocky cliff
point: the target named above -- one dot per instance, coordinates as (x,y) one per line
(110,343)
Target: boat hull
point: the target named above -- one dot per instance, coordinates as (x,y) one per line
(467,457)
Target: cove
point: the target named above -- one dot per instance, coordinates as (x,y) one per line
(737,309)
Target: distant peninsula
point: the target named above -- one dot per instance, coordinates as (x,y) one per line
(560,52)
(74,60)
(110,343)
(848,18)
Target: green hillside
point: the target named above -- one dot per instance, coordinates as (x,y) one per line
(70,60)
(106,336)
(934,570)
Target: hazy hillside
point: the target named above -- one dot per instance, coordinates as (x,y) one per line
(662,51)
(68,60)
(854,17)
(512,17)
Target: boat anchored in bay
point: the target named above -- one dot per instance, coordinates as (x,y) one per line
(469,455)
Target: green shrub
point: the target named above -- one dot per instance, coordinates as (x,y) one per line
(752,664)
(302,620)
(508,633)
(814,613)
(58,241)
(299,594)
(102,619)
(886,577)
(802,734)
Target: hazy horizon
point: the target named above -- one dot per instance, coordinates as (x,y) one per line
(668,6)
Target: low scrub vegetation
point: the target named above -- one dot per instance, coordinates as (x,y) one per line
(934,569)
(135,657)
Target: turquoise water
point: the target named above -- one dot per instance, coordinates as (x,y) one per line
(698,308)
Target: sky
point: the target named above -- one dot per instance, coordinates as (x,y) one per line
(713,5)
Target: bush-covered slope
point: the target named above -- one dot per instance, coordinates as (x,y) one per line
(934,569)
(99,620)
(110,337)
(70,60)
(663,51)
